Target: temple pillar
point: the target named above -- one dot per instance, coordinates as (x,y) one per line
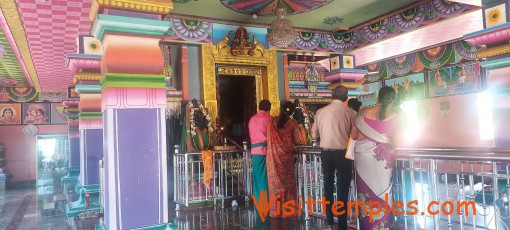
(133,105)
(91,129)
(133,102)
(71,107)
(85,65)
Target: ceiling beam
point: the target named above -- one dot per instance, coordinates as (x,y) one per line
(11,16)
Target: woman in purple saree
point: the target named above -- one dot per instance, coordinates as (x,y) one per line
(373,128)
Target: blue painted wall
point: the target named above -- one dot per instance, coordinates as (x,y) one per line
(194,78)
(281,77)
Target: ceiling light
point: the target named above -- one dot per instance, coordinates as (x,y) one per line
(281,33)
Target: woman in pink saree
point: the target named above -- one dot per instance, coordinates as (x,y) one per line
(374,129)
(282,133)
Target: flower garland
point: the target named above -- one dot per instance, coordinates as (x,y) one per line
(201,108)
(306,114)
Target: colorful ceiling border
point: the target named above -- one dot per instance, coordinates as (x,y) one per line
(408,19)
(22,95)
(393,24)
(433,58)
(190,30)
(11,21)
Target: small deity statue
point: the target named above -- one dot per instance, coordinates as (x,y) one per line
(311,73)
(241,40)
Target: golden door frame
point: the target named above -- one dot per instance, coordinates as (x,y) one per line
(262,63)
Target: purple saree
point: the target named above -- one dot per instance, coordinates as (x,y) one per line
(374,165)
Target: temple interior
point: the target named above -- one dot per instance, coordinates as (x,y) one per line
(135,114)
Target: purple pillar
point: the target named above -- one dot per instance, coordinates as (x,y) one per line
(135,167)
(91,151)
(74,152)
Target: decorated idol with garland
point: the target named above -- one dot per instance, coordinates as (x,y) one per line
(305,119)
(197,128)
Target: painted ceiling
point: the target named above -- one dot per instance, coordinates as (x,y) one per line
(316,14)
(49,30)
(11,74)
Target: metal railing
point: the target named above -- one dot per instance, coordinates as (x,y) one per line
(457,178)
(310,182)
(477,176)
(231,177)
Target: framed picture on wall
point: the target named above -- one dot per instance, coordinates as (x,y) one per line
(71,93)
(409,87)
(464,78)
(10,114)
(57,114)
(36,113)
(368,93)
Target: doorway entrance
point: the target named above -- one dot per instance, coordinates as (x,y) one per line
(237,104)
(52,159)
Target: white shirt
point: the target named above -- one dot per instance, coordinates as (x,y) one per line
(333,125)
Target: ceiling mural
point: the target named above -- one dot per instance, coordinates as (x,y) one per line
(268,8)
(51,28)
(18,94)
(332,20)
(303,13)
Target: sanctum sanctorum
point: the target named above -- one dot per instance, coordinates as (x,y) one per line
(254,114)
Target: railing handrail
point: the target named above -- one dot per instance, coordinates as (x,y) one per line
(461,154)
(439,153)
(214,152)
(456,149)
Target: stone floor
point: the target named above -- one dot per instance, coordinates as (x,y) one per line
(21,209)
(42,208)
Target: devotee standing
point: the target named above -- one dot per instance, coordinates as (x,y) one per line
(374,129)
(333,126)
(354,104)
(258,136)
(282,133)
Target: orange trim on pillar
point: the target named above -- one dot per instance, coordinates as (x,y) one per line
(286,77)
(133,55)
(184,76)
(90,102)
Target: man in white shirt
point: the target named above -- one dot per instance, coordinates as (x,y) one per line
(333,127)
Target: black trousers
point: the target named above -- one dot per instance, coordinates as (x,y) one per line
(334,161)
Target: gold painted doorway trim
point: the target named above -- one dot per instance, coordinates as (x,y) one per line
(264,59)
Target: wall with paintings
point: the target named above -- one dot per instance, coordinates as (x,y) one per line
(32,113)
(445,86)
(21,149)
(457,128)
